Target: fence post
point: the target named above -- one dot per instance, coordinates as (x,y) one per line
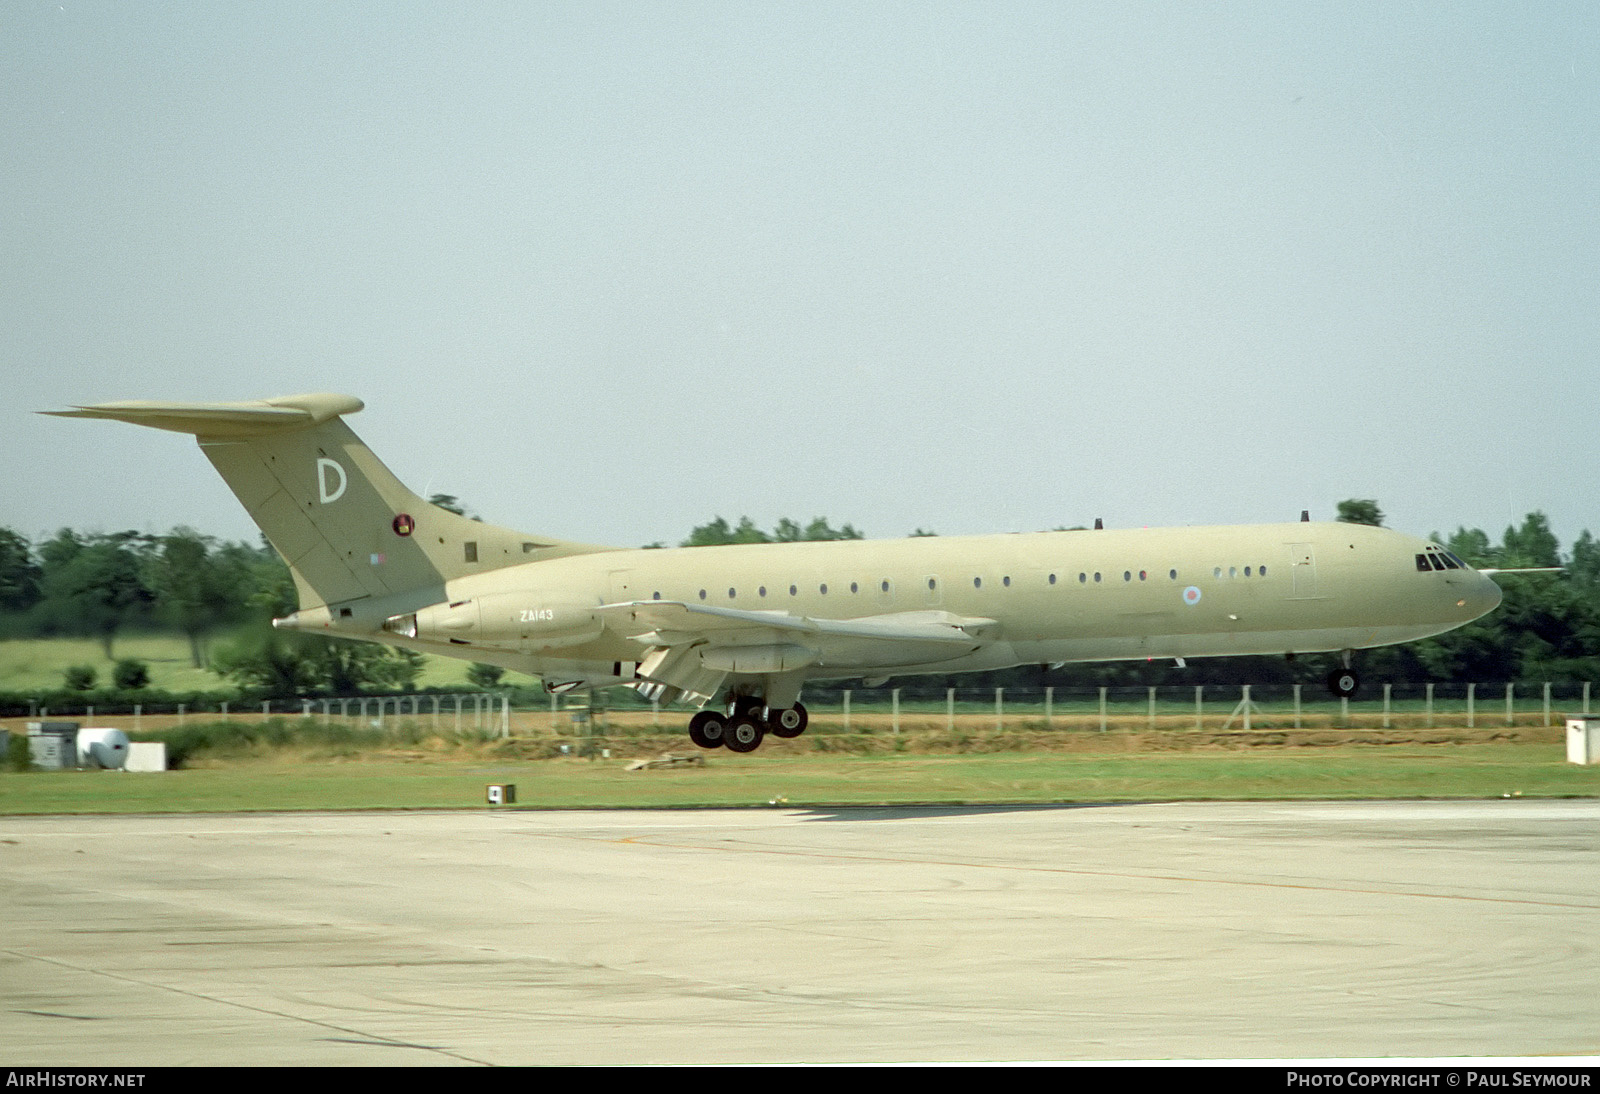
(1472,695)
(505,715)
(1049,708)
(1244,701)
(950,710)
(1102,710)
(180,713)
(1386,693)
(1509,710)
(1297,705)
(847,710)
(999,709)
(1199,707)
(1430,706)
(1547,702)
(1152,714)
(1586,697)
(894,698)
(137,708)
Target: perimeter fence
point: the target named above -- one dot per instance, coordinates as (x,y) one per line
(1219,708)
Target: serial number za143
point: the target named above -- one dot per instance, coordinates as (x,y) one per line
(537,615)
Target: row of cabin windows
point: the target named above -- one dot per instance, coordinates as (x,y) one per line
(977,582)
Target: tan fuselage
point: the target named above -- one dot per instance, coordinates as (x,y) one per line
(1053,596)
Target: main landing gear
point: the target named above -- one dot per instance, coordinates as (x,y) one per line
(742,730)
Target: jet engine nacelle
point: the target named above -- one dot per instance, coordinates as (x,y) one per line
(501,619)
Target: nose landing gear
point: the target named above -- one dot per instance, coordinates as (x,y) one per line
(1344,682)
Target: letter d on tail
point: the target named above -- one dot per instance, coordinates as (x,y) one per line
(330,480)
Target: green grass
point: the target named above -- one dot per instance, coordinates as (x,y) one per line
(279,782)
(38,664)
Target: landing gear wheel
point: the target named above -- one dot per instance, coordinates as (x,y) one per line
(707,729)
(743,734)
(1343,682)
(789,723)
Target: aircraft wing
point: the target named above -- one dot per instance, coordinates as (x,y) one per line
(694,646)
(675,623)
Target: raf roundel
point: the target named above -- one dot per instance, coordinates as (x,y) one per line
(404,525)
(1191,595)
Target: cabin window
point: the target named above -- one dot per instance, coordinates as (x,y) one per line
(471,547)
(933,584)
(1052,579)
(655,596)
(761,591)
(1083,579)
(702,594)
(730,594)
(1261,571)
(823,589)
(855,588)
(1216,572)
(1006,581)
(1173,574)
(884,586)
(1127,575)
(977,583)
(794,591)
(1143,575)
(1247,571)
(1097,576)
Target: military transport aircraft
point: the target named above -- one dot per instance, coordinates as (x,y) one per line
(739,630)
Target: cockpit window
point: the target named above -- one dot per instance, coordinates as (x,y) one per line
(1440,559)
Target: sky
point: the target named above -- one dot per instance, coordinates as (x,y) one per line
(605,271)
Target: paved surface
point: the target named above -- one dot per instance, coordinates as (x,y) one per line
(1113,932)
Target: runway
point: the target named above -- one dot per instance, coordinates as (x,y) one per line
(1189,931)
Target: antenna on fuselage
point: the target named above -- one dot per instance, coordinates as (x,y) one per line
(1099,525)
(1305,516)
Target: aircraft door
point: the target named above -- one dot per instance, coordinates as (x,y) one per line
(1303,570)
(620,587)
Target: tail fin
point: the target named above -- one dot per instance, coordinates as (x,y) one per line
(345,525)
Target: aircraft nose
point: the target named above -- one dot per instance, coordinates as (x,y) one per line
(1483,597)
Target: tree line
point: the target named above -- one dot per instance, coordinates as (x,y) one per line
(222,595)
